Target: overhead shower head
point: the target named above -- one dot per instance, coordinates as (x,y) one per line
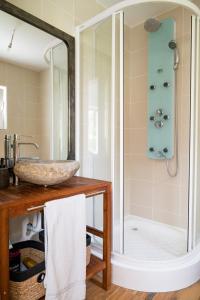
(152,25)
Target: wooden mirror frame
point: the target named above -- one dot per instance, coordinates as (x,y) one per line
(70,44)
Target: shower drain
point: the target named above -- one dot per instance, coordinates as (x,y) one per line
(135,228)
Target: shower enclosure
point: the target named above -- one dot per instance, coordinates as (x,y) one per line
(138,126)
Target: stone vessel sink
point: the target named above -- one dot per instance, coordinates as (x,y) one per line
(46,172)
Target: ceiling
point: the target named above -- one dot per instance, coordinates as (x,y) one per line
(137,14)
(29,43)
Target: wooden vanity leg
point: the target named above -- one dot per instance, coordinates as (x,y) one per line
(107,219)
(4,254)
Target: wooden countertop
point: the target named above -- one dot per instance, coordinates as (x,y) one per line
(18,198)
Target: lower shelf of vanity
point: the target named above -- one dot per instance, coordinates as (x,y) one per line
(96,265)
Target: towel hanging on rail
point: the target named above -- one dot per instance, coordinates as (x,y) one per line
(65,251)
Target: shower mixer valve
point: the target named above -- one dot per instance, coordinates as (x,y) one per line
(159,112)
(159,118)
(152,87)
(158,124)
(166,117)
(166,84)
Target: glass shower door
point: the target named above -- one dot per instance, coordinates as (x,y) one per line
(98,109)
(194,205)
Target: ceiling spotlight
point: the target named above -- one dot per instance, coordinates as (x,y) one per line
(11,41)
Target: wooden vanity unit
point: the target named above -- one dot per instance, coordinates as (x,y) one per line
(28,198)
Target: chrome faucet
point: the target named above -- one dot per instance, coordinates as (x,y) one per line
(16,152)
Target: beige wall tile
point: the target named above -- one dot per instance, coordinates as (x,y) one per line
(139,89)
(127,37)
(138,167)
(186,21)
(166,198)
(166,217)
(140,193)
(184,198)
(135,141)
(66,5)
(177,15)
(138,112)
(55,15)
(182,222)
(138,39)
(141,211)
(127,58)
(160,174)
(33,7)
(138,62)
(86,9)
(23,89)
(169,195)
(127,197)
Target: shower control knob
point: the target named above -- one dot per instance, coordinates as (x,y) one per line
(152,118)
(166,84)
(159,112)
(165,150)
(152,87)
(166,117)
(151,149)
(158,124)
(160,70)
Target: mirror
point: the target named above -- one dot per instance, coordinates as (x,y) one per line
(36,69)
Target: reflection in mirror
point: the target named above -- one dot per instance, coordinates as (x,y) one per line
(34,70)
(3,107)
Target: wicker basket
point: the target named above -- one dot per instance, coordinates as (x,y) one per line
(28,285)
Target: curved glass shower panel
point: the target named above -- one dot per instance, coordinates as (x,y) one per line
(100,115)
(195,138)
(156,190)
(95,108)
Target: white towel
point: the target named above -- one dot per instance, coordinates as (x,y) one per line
(65,248)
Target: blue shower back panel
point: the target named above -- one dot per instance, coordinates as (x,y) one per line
(160,71)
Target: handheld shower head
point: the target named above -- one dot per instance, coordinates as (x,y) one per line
(152,25)
(173,45)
